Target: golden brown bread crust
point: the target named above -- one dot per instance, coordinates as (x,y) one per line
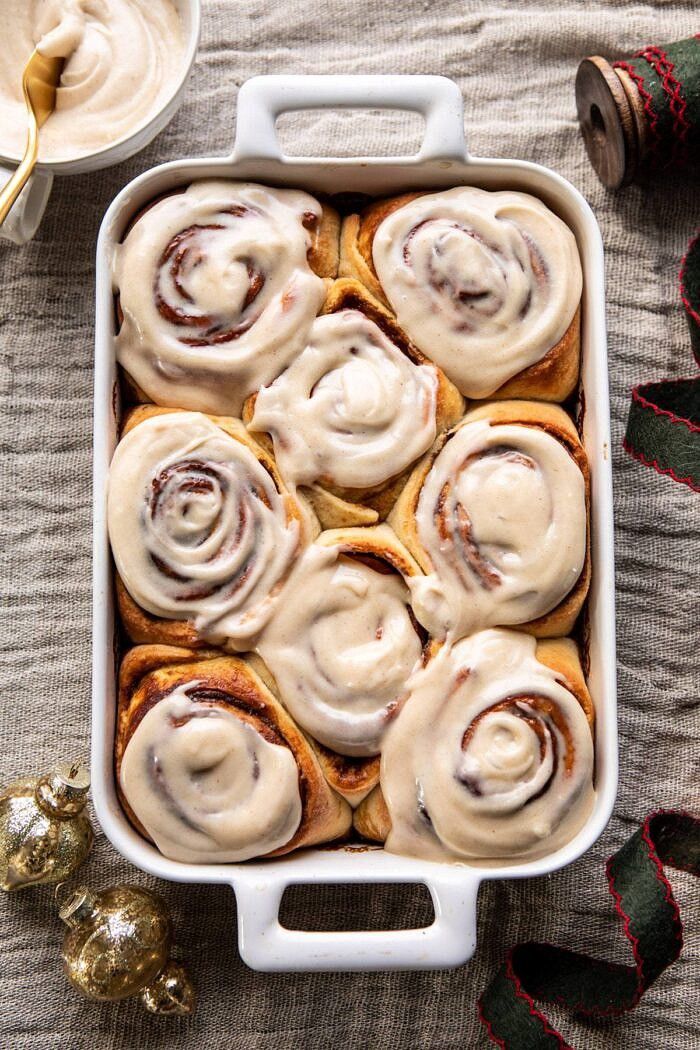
(352,778)
(338,507)
(144,627)
(555,376)
(150,672)
(371,818)
(547,417)
(561,655)
(552,378)
(324,253)
(378,542)
(357,237)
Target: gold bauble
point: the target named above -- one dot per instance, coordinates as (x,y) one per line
(118,941)
(171,992)
(118,946)
(45,833)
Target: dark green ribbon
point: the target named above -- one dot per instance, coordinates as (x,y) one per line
(667,78)
(593,987)
(689,281)
(663,426)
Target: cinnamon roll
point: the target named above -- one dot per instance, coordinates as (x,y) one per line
(487,285)
(217,288)
(356,409)
(203,532)
(496,516)
(210,766)
(342,645)
(491,757)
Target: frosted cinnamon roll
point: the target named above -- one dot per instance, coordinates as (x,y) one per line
(342,645)
(209,765)
(491,756)
(496,516)
(218,286)
(487,285)
(202,531)
(354,411)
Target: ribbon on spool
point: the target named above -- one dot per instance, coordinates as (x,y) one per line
(594,987)
(663,425)
(641,113)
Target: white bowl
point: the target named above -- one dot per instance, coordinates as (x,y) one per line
(26,214)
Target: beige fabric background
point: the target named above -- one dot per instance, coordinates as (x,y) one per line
(516,65)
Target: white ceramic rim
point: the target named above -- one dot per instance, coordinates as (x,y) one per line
(264,943)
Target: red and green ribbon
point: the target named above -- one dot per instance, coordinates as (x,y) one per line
(663,426)
(593,987)
(667,78)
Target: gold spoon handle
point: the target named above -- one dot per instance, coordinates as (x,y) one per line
(12,189)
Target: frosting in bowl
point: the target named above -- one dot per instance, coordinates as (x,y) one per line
(103,95)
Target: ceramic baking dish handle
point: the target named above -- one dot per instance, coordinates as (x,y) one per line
(265,944)
(262,99)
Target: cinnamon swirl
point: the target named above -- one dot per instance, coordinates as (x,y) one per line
(202,531)
(354,411)
(210,766)
(218,286)
(491,756)
(487,285)
(496,516)
(342,645)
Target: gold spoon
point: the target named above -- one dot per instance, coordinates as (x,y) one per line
(39,82)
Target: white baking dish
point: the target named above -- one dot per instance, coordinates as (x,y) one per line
(442,161)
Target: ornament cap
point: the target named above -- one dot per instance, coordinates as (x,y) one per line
(64,791)
(80,906)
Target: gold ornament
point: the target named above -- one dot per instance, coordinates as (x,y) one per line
(118,946)
(45,833)
(172,992)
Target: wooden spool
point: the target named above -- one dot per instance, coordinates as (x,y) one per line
(613,121)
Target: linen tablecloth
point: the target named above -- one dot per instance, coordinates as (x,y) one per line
(516,65)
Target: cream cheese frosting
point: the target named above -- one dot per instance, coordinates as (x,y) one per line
(206,785)
(490,757)
(104,94)
(483,283)
(352,410)
(216,293)
(502,518)
(198,527)
(342,646)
